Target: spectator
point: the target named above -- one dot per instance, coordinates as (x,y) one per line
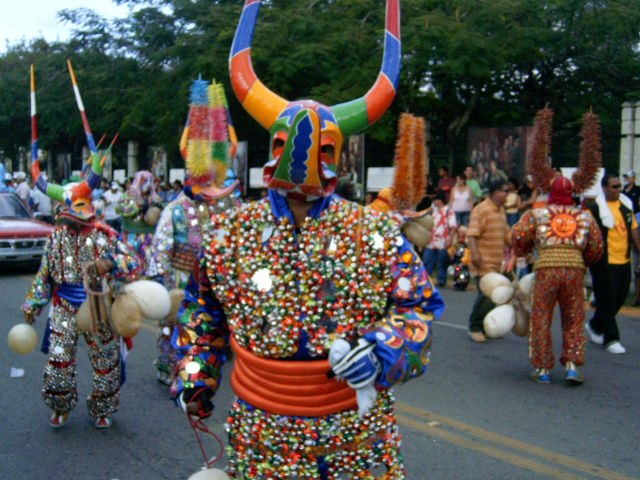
(462,200)
(473,184)
(42,204)
(487,237)
(612,274)
(22,188)
(177,188)
(632,191)
(495,173)
(445,183)
(444,226)
(111,198)
(511,203)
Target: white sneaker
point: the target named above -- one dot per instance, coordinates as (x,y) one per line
(593,336)
(616,348)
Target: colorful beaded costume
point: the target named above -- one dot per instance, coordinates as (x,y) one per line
(284,294)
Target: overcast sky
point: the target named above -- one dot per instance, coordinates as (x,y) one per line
(28,19)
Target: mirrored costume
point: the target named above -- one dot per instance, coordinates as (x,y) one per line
(284,297)
(77,240)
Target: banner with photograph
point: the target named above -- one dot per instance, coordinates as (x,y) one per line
(499,152)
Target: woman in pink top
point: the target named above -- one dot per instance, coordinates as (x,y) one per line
(461,201)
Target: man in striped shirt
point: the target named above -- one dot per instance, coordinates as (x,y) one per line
(488,236)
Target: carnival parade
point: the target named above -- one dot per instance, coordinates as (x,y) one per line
(315,289)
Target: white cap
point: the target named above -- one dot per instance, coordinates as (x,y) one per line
(19,176)
(630,174)
(114,184)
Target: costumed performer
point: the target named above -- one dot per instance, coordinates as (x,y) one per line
(77,240)
(207,143)
(310,289)
(567,239)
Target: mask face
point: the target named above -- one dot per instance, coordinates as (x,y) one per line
(305,151)
(79,209)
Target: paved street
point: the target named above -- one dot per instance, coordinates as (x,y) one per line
(473,415)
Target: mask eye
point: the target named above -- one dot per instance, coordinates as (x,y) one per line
(80,205)
(328,150)
(278,145)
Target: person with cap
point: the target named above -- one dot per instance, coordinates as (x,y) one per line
(3,180)
(612,274)
(326,305)
(111,199)
(567,240)
(22,187)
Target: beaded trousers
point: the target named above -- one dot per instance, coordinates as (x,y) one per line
(338,446)
(60,383)
(564,286)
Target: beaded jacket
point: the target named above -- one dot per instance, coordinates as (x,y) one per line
(565,236)
(288,294)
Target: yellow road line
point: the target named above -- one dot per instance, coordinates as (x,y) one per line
(479,446)
(486,435)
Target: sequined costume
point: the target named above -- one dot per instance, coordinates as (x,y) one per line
(137,230)
(76,241)
(175,247)
(59,279)
(567,240)
(287,295)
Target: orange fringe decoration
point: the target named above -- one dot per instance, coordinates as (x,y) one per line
(402,192)
(590,153)
(420,165)
(539,166)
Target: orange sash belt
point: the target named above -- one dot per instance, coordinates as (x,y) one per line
(286,387)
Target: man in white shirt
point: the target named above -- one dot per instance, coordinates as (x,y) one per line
(42,204)
(111,198)
(22,188)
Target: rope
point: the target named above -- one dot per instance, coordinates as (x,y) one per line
(198,425)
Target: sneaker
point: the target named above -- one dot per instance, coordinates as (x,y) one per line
(103,422)
(541,375)
(571,374)
(477,337)
(58,419)
(593,336)
(615,348)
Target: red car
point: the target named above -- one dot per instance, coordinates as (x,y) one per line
(22,237)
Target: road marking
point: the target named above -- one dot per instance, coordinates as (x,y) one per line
(486,435)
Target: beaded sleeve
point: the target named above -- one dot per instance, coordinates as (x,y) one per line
(41,289)
(162,244)
(594,246)
(200,337)
(127,265)
(403,336)
(524,234)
